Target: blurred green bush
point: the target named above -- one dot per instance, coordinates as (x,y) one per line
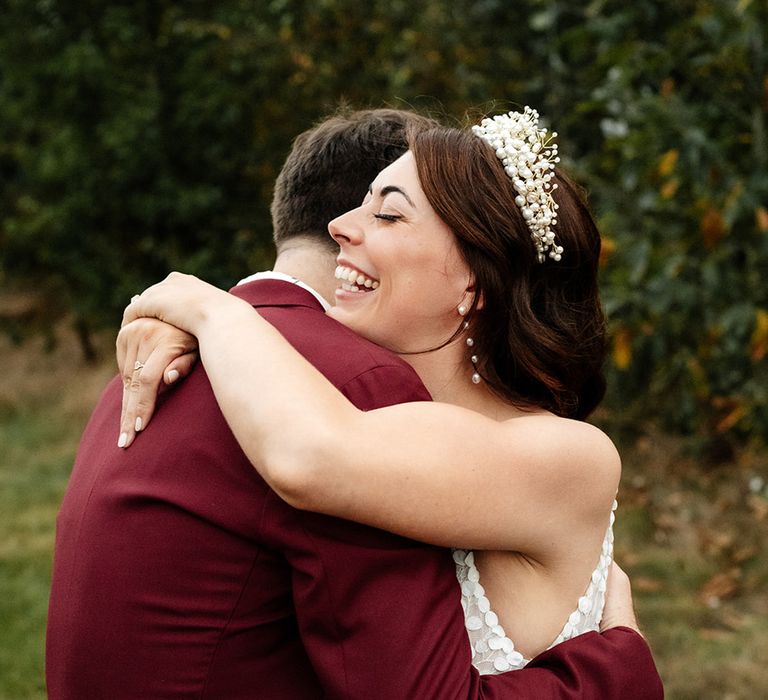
(139,137)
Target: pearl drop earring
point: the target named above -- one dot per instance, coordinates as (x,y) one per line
(475,375)
(470,343)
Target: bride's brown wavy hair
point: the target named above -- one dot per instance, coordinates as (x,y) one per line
(539,331)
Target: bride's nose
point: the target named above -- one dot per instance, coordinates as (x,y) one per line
(347,228)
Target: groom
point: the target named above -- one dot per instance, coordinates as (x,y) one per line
(178,573)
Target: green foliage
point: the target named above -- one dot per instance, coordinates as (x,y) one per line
(141,137)
(681,185)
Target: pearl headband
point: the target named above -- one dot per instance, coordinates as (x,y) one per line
(529,156)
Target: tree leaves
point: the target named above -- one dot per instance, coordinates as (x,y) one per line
(136,138)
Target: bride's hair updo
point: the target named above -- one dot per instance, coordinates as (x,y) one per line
(539,331)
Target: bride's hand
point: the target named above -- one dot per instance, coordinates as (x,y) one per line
(619,610)
(149,352)
(182,300)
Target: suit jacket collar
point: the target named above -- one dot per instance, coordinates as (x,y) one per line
(275,292)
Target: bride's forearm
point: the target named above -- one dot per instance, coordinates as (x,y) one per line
(279,407)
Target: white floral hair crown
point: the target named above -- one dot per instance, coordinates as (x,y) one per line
(529,156)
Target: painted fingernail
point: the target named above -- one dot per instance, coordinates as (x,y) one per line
(123,440)
(138,425)
(173,375)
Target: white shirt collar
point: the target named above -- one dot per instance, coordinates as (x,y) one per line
(272,275)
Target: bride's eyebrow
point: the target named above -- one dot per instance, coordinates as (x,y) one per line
(389,189)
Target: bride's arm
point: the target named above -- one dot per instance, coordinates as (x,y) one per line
(430,471)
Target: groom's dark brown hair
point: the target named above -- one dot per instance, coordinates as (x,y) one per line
(331,166)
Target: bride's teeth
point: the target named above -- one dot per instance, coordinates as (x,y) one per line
(352,280)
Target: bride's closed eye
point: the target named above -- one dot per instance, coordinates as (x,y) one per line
(388,217)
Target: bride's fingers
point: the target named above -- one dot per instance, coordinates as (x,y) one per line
(134,346)
(180,367)
(159,352)
(141,394)
(618,610)
(130,389)
(127,352)
(126,348)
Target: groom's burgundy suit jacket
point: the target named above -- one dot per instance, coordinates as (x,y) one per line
(178,572)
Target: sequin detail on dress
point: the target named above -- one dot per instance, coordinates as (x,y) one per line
(492,650)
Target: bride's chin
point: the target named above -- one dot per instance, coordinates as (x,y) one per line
(344,316)
(354,321)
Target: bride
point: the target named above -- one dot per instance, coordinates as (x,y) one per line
(475,259)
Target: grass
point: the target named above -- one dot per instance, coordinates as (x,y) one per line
(44,403)
(692,538)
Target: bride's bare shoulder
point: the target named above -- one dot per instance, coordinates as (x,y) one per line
(571,452)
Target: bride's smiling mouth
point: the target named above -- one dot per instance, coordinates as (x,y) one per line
(353,280)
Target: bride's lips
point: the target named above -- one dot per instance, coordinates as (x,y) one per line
(353,279)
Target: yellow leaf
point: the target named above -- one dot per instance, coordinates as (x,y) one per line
(303,60)
(745,553)
(622,349)
(722,585)
(222,31)
(712,227)
(759,342)
(669,188)
(667,162)
(731,418)
(667,87)
(761,218)
(607,249)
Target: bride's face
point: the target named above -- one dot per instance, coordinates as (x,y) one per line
(401,276)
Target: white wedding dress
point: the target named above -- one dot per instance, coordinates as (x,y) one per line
(492,650)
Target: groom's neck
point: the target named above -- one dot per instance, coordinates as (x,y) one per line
(310,261)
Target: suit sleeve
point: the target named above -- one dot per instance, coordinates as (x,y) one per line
(392,626)
(615,664)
